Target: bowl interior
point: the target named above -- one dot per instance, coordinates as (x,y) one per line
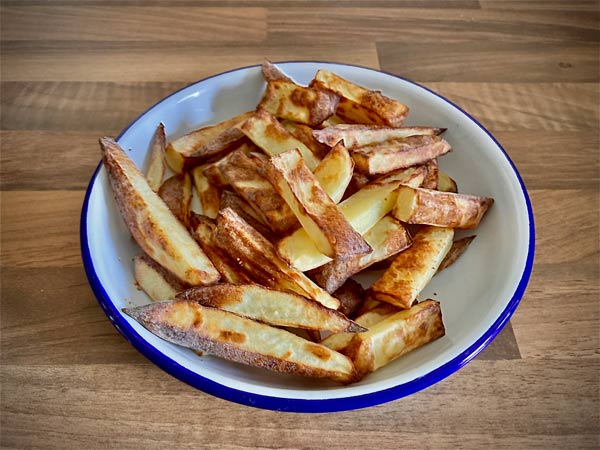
(474,292)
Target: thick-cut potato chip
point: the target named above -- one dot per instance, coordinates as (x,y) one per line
(203,230)
(176,192)
(362,210)
(156,165)
(386,238)
(355,136)
(304,134)
(244,175)
(201,146)
(301,104)
(230,336)
(153,226)
(395,336)
(271,306)
(432,178)
(351,295)
(208,194)
(257,256)
(412,269)
(267,133)
(272,73)
(445,183)
(360,105)
(397,154)
(442,209)
(335,171)
(245,211)
(340,341)
(318,214)
(154,279)
(458,248)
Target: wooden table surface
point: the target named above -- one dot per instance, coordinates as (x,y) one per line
(73,71)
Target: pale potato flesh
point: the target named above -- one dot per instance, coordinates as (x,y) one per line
(208,194)
(446,183)
(319,216)
(334,172)
(413,268)
(290,101)
(387,237)
(395,336)
(198,146)
(153,226)
(340,341)
(442,209)
(230,336)
(271,306)
(267,133)
(357,101)
(258,257)
(362,210)
(156,165)
(154,279)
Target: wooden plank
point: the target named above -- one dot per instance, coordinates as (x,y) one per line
(66,106)
(104,107)
(567,226)
(553,159)
(157,61)
(431,25)
(532,106)
(438,4)
(491,61)
(487,404)
(544,5)
(133,23)
(40,228)
(50,316)
(559,315)
(35,235)
(47,160)
(23,166)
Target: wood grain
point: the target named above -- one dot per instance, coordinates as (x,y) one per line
(66,106)
(133,23)
(157,61)
(500,61)
(40,228)
(83,405)
(73,70)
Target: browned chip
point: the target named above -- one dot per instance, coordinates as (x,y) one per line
(398,153)
(325,223)
(153,226)
(458,248)
(412,269)
(360,105)
(355,136)
(243,173)
(442,209)
(272,73)
(200,146)
(258,257)
(395,336)
(230,336)
(156,165)
(176,192)
(386,238)
(271,306)
(288,100)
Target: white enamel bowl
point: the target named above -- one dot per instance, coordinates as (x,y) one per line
(478,294)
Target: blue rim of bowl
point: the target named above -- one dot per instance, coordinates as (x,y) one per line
(294,404)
